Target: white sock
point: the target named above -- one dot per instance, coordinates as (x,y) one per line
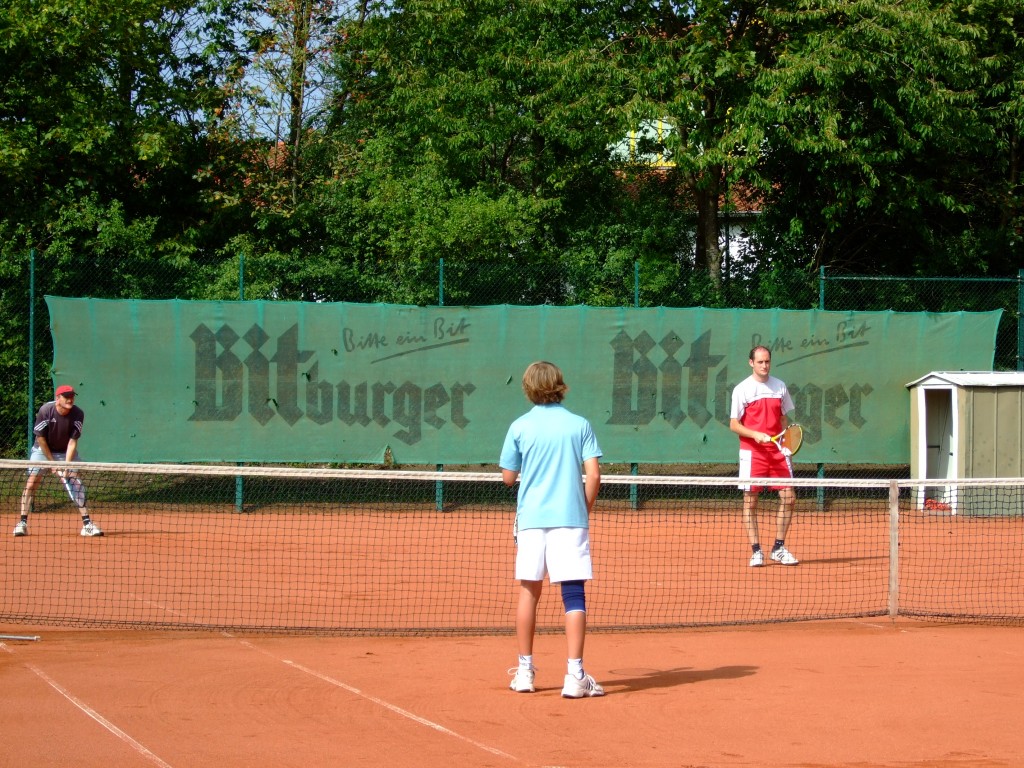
(576,668)
(526,662)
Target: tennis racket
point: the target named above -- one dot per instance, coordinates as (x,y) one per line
(791,438)
(74,487)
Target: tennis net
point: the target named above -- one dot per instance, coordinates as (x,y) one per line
(342,551)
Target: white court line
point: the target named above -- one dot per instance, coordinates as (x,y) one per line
(95,715)
(388,706)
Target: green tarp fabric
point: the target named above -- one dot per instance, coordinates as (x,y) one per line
(257,381)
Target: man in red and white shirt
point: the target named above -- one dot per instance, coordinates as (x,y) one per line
(760,404)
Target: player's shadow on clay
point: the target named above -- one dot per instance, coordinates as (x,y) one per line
(646,679)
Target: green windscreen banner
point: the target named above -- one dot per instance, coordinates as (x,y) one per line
(192,381)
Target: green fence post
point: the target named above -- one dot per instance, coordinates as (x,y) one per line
(636,283)
(634,469)
(31,347)
(634,501)
(1020,320)
(439,485)
(821,306)
(239,493)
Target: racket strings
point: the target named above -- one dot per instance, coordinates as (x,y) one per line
(793,438)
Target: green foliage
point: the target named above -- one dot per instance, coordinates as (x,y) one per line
(876,112)
(342,151)
(483,134)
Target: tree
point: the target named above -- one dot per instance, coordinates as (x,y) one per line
(877,135)
(695,65)
(104,115)
(482,132)
(280,93)
(866,126)
(1000,164)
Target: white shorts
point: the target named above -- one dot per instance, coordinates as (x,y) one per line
(38,455)
(562,554)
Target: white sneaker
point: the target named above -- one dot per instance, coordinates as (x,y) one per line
(757,559)
(21,529)
(578,689)
(91,529)
(522,679)
(783,556)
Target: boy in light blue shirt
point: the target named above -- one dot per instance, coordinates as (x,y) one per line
(549,450)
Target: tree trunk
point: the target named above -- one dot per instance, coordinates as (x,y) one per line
(302,13)
(708,249)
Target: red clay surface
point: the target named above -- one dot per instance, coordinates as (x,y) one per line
(851,693)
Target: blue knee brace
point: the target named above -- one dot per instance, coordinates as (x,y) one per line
(573,596)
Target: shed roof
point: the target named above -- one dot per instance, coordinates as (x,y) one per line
(972,379)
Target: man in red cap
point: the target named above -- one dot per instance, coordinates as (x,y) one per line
(58,427)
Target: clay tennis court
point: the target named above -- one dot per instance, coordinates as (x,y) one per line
(325,634)
(849,693)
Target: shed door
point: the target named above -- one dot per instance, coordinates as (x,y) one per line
(940,423)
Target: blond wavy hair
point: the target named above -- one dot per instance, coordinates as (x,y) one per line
(543,383)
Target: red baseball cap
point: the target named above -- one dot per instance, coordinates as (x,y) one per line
(66,389)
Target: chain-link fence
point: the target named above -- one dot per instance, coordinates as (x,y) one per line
(937,294)
(26,348)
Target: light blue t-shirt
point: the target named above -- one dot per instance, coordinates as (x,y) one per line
(548,446)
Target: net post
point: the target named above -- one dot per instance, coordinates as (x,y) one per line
(894,548)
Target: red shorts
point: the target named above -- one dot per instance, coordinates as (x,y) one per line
(771,462)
